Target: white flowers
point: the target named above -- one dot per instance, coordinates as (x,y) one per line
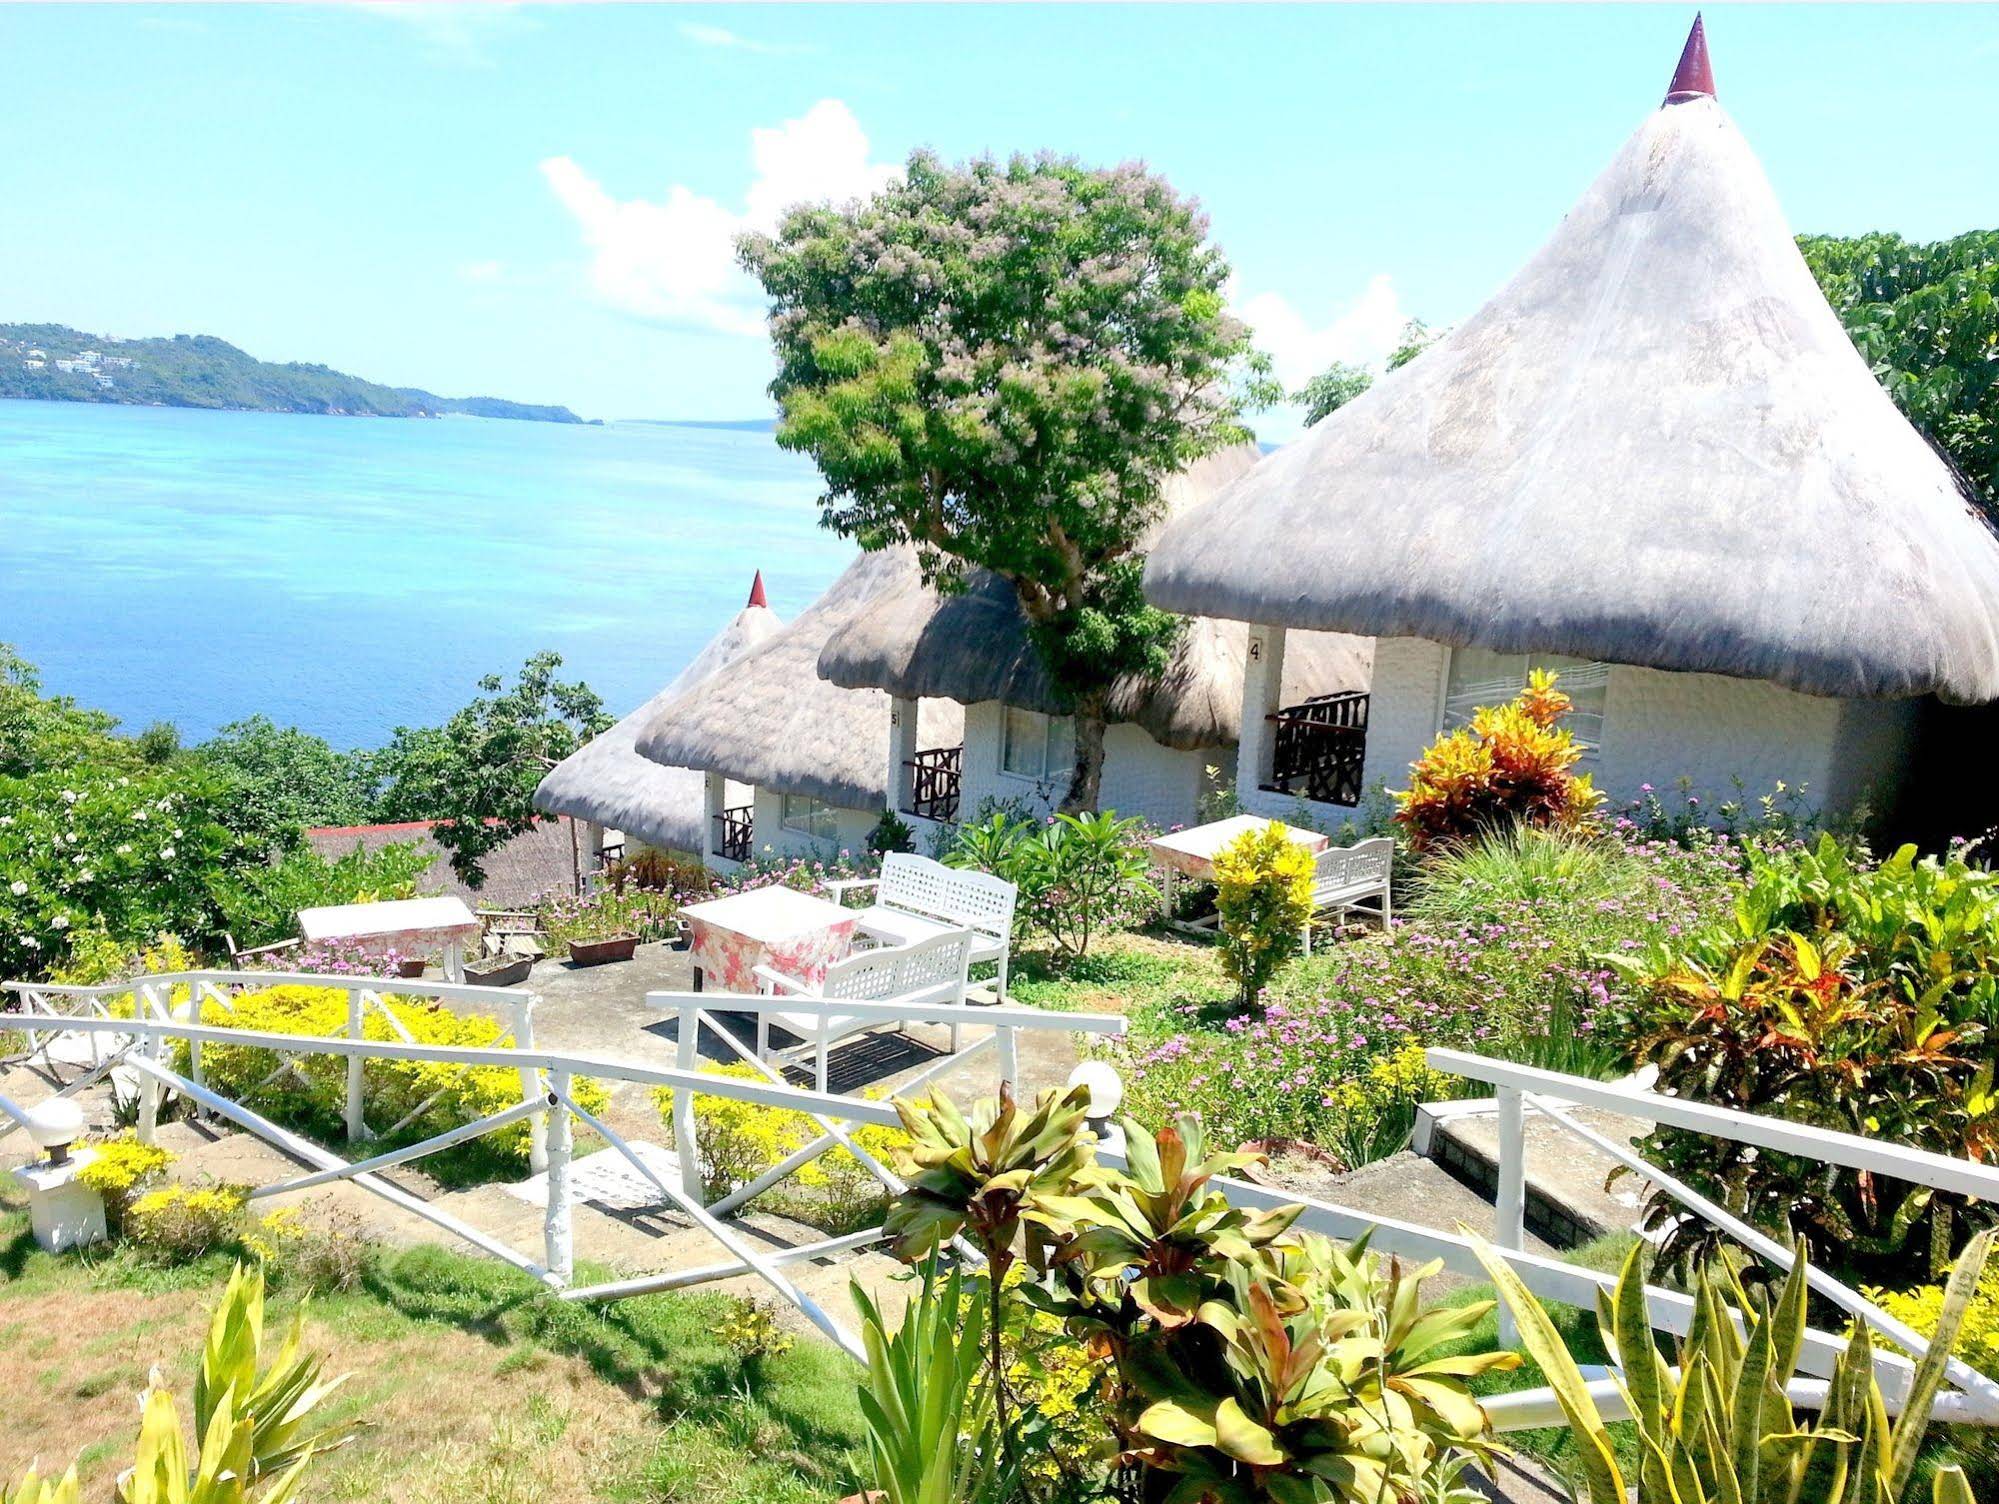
(69,796)
(60,922)
(17,888)
(167,852)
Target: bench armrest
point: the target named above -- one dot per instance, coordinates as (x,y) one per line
(839,889)
(777,984)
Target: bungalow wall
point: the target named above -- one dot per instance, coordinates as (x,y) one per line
(1659,727)
(1142,778)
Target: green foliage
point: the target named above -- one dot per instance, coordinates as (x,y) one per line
(1002,364)
(260,903)
(891,833)
(477,773)
(1850,995)
(1925,317)
(610,913)
(285,779)
(1078,875)
(199,370)
(38,732)
(929,1422)
(1416,337)
(178,1223)
(1332,389)
(1263,901)
(1724,1429)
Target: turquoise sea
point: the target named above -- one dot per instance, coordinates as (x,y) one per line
(349,575)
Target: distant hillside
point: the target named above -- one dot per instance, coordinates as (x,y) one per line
(59,364)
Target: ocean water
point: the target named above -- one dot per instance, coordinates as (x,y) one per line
(349,575)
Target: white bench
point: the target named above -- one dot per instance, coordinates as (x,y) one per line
(916,898)
(1346,877)
(933,970)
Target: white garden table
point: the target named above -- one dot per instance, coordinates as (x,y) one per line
(1191,854)
(404,925)
(778,927)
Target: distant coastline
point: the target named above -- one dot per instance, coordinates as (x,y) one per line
(55,363)
(732,425)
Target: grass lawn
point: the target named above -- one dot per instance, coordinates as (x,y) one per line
(470,1382)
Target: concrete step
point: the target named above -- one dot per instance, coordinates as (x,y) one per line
(1571,1196)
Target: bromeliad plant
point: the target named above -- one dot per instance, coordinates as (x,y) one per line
(1246,1361)
(1717,1424)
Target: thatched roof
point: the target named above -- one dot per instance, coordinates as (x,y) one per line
(975,646)
(1656,445)
(773,722)
(607,781)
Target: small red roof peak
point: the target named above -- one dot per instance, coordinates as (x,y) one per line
(757,590)
(1695,75)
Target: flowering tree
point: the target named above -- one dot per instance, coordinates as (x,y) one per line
(1001,364)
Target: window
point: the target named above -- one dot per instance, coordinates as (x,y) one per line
(1479,676)
(1033,745)
(808,816)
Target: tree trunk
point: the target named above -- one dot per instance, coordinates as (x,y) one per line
(1086,782)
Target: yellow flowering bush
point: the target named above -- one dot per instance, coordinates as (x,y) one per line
(310,1093)
(1374,1111)
(121,1169)
(753,1331)
(1513,764)
(738,1141)
(181,1222)
(325,1253)
(1978,1338)
(1263,900)
(95,958)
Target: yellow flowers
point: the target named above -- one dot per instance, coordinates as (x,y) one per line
(1263,896)
(1514,762)
(120,1169)
(182,1222)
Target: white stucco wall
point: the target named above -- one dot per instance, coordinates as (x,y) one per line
(1660,728)
(1141,778)
(768,837)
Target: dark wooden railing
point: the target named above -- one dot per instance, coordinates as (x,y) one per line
(1320,746)
(935,777)
(732,828)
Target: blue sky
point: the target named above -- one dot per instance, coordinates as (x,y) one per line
(535,202)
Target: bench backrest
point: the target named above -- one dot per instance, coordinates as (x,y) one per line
(976,900)
(932,970)
(1365,864)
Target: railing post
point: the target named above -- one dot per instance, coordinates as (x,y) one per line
(195,1109)
(146,1005)
(684,1145)
(1509,1213)
(357,1127)
(1009,1061)
(531,1083)
(557,1243)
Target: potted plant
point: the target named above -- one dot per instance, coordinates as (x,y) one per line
(502,970)
(606,926)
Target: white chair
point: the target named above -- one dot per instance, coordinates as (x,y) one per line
(933,970)
(916,898)
(1347,877)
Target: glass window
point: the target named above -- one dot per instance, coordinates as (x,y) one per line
(1479,677)
(1033,745)
(809,816)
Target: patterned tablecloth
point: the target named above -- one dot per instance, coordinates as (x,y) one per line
(407,926)
(778,927)
(1191,853)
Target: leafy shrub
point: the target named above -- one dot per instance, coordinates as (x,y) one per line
(121,1170)
(260,903)
(1853,996)
(326,1253)
(1513,763)
(311,1093)
(1078,875)
(1374,1112)
(608,914)
(738,1141)
(659,872)
(891,833)
(1263,897)
(754,1332)
(179,1223)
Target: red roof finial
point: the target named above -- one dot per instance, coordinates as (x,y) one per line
(1695,76)
(757,590)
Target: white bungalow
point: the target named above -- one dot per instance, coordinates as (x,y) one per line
(792,765)
(1653,461)
(628,803)
(1171,742)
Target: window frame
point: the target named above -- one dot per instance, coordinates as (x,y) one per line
(818,812)
(1050,725)
(1592,750)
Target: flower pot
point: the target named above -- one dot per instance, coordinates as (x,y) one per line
(597,952)
(411,966)
(499,971)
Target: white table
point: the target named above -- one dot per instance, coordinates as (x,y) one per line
(404,925)
(778,927)
(1191,854)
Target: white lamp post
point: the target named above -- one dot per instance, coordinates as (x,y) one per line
(1106,1096)
(64,1211)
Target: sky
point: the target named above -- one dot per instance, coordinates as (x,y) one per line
(538,202)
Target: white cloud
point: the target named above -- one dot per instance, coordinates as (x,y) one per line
(457,31)
(484,273)
(674,259)
(1362,332)
(721,36)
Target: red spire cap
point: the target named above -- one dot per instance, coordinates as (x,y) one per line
(1695,75)
(757,590)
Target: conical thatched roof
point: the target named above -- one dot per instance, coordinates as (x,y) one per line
(1656,446)
(975,646)
(607,781)
(773,722)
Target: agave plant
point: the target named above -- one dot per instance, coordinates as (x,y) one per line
(1717,1424)
(929,1423)
(35,1489)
